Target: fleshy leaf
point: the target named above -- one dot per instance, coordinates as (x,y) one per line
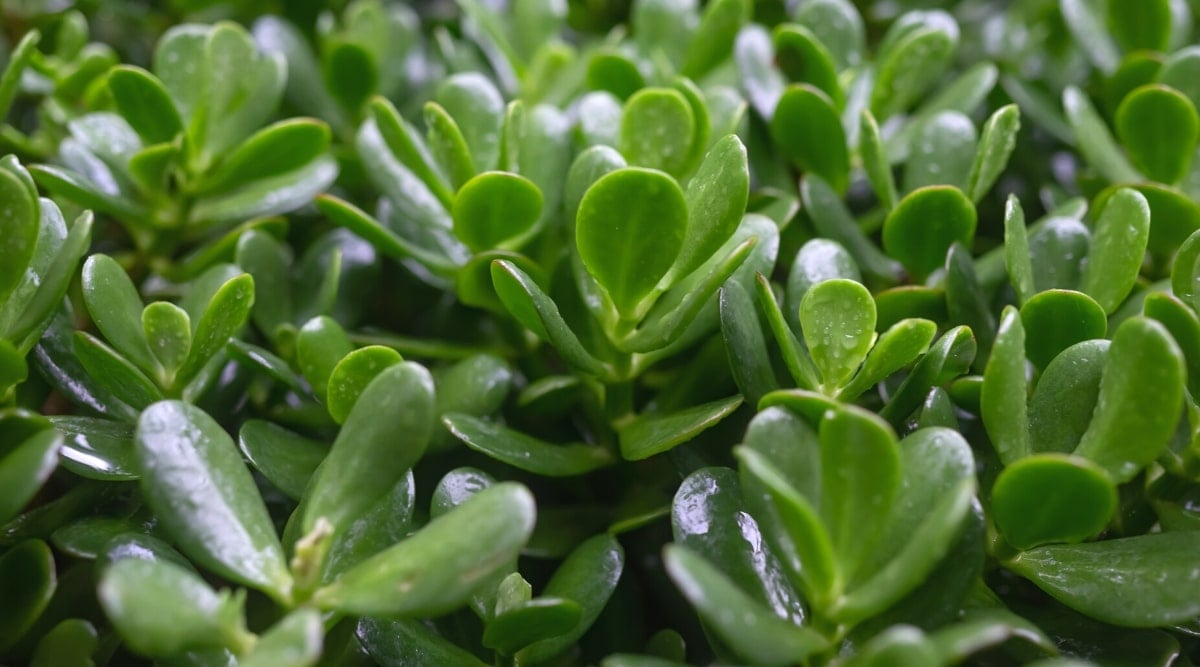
(525,452)
(496,210)
(1118,249)
(807,130)
(1049,498)
(924,225)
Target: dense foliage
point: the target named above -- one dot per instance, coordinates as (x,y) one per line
(623,333)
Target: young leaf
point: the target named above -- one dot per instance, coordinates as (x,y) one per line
(1049,498)
(1016,250)
(350,377)
(651,434)
(145,103)
(1140,398)
(437,569)
(222,318)
(896,348)
(473,101)
(716,199)
(294,641)
(168,332)
(496,210)
(1056,320)
(925,224)
(366,459)
(448,146)
(1004,393)
(272,151)
(1064,400)
(875,162)
(194,479)
(630,229)
(116,308)
(114,372)
(996,144)
(838,320)
(748,628)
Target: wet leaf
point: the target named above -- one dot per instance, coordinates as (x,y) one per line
(1052,498)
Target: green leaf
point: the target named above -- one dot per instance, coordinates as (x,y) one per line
(613,72)
(833,220)
(195,481)
(1056,320)
(708,515)
(1174,214)
(448,145)
(25,469)
(895,348)
(1147,27)
(1183,325)
(18,59)
(144,102)
(97,448)
(913,64)
(1180,71)
(996,144)
(588,576)
(13,370)
(745,345)
(924,225)
(808,132)
(275,150)
(748,628)
(1093,139)
(79,189)
(351,376)
(477,386)
(54,277)
(1057,251)
(436,569)
(716,199)
(1086,22)
(496,210)
(651,434)
(1016,251)
(399,643)
(1004,392)
(657,130)
(714,37)
(222,318)
(981,629)
(949,357)
(116,308)
(1052,498)
(531,622)
(161,609)
(71,642)
(239,89)
(1064,400)
(408,148)
(266,196)
(168,333)
(350,74)
(537,312)
(1159,127)
(27,582)
(943,149)
(294,641)
(525,452)
(702,126)
(875,162)
(114,372)
(804,59)
(803,541)
(1144,581)
(385,433)
(285,458)
(471,99)
(1141,395)
(842,25)
(19,228)
(838,320)
(630,229)
(898,646)
(962,94)
(320,345)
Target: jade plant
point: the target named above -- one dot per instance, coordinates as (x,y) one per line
(634,334)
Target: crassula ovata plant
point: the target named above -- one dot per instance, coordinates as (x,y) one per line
(629,333)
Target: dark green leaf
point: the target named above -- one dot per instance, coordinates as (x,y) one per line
(116,308)
(97,448)
(27,581)
(437,569)
(1049,498)
(651,434)
(114,372)
(527,453)
(1064,400)
(1057,319)
(1004,391)
(25,469)
(805,59)
(194,479)
(398,643)
(70,644)
(286,459)
(145,103)
(1159,127)
(222,318)
(807,130)
(1141,395)
(350,377)
(529,622)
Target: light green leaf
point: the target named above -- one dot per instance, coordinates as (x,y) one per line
(1004,393)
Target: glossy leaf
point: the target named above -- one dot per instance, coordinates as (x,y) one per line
(167,330)
(895,348)
(442,564)
(1140,398)
(1159,127)
(194,479)
(351,376)
(657,129)
(1016,250)
(833,220)
(448,145)
(1003,396)
(71,642)
(496,210)
(1064,400)
(25,469)
(410,643)
(807,130)
(875,162)
(320,345)
(114,372)
(1143,581)
(629,231)
(708,516)
(1056,320)
(996,144)
(116,308)
(651,434)
(524,452)
(925,224)
(161,609)
(588,576)
(716,198)
(838,320)
(27,582)
(748,628)
(97,448)
(912,65)
(1052,498)
(1118,247)
(533,621)
(943,151)
(286,459)
(385,433)
(221,320)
